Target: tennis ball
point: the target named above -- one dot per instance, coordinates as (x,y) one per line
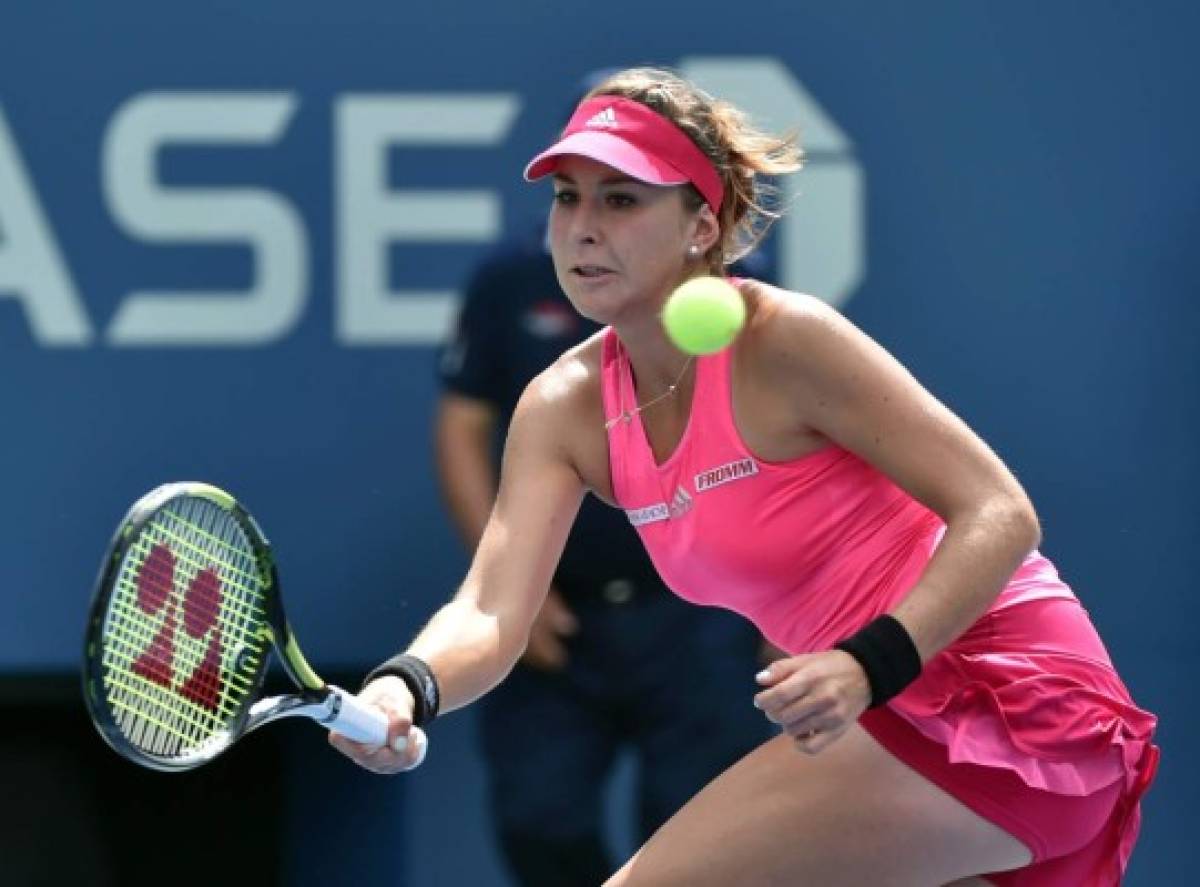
(704,315)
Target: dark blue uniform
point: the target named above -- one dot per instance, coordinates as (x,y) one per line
(670,679)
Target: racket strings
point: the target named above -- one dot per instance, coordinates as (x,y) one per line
(185,633)
(195,557)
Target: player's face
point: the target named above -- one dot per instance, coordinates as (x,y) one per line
(619,245)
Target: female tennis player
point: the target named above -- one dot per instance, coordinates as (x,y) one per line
(949,714)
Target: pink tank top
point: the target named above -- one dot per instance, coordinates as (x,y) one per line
(809,550)
(812,549)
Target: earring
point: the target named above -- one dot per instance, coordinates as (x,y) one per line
(693,252)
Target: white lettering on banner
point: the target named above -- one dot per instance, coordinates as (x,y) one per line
(724,474)
(32,268)
(369,216)
(820,242)
(148,210)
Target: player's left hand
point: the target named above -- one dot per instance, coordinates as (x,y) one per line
(815,697)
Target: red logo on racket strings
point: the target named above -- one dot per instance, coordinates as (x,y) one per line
(201,604)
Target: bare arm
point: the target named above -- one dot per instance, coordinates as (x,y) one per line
(463,434)
(862,398)
(472,642)
(855,394)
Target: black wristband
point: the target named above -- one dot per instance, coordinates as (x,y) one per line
(420,682)
(887,654)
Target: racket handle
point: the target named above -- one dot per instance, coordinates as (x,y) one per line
(357,720)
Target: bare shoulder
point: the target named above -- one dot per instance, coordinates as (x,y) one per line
(788,332)
(774,310)
(561,413)
(569,388)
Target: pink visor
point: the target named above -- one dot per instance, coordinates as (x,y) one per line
(628,136)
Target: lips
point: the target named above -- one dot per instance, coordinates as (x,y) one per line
(591,271)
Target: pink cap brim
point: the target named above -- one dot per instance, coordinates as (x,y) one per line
(608,149)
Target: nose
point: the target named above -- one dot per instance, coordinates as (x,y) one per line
(585,223)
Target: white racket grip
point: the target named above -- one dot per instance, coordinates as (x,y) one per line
(356,720)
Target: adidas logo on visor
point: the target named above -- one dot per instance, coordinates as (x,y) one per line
(606,119)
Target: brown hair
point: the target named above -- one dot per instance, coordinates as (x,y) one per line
(741,153)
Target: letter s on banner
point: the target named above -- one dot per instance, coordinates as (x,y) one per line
(150,211)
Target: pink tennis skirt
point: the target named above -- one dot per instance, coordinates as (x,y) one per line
(1024,721)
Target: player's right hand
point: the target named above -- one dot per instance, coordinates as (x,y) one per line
(406,745)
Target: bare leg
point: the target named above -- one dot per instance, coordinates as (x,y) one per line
(850,815)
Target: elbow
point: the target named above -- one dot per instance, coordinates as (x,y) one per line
(1019,521)
(1032,527)
(1008,517)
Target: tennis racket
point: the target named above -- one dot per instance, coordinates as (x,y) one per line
(185,612)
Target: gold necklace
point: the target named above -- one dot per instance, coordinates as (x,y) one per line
(626,416)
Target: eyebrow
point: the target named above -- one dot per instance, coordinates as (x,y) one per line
(611,180)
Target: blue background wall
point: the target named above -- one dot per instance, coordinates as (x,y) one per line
(1031,211)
